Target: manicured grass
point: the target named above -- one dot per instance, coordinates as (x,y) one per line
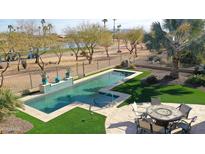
(167,93)
(75,121)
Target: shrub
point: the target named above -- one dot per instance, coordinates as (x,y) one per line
(150,80)
(8,103)
(125,63)
(168,78)
(200,69)
(190,59)
(197,80)
(154,59)
(24,63)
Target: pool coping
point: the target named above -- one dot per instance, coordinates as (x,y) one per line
(47,117)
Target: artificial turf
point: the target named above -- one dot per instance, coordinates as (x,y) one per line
(75,121)
(166,93)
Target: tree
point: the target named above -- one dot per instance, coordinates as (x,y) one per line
(4,48)
(74,40)
(89,34)
(114,20)
(50,27)
(11,28)
(8,102)
(132,38)
(57,45)
(177,36)
(104,22)
(151,42)
(105,40)
(18,43)
(118,37)
(43,22)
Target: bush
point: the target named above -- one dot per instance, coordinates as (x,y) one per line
(150,80)
(168,78)
(188,58)
(154,59)
(196,80)
(24,63)
(200,69)
(8,103)
(125,63)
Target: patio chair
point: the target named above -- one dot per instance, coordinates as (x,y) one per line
(185,109)
(137,112)
(185,125)
(155,101)
(156,129)
(143,125)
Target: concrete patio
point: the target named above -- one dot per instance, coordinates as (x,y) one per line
(121,120)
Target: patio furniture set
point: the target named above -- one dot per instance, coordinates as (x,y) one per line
(163,119)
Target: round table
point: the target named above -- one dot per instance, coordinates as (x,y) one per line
(164,114)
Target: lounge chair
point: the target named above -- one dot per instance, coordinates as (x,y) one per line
(185,109)
(155,101)
(185,125)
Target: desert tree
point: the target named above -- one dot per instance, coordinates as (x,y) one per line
(57,45)
(132,38)
(4,49)
(105,40)
(74,40)
(89,34)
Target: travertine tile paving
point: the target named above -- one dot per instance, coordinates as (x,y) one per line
(121,120)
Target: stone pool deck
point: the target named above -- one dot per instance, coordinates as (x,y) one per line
(121,120)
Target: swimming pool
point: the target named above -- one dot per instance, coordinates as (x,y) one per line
(85,92)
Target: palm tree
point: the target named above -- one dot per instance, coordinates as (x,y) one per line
(43,22)
(17,29)
(39,30)
(118,39)
(178,36)
(104,22)
(114,20)
(10,28)
(8,102)
(50,26)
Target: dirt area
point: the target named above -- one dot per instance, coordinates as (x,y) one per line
(14,125)
(20,81)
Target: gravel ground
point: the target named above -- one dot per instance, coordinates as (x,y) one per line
(14,125)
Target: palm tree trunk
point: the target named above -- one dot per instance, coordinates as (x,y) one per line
(175,67)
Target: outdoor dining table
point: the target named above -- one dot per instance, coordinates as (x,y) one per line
(164,114)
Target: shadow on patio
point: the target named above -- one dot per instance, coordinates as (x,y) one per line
(127,126)
(198,128)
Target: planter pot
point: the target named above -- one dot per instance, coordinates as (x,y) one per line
(67,74)
(57,79)
(44,77)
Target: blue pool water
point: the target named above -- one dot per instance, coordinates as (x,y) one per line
(85,92)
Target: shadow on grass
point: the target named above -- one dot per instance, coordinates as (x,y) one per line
(143,93)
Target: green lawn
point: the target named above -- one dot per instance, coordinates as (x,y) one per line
(167,93)
(75,121)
